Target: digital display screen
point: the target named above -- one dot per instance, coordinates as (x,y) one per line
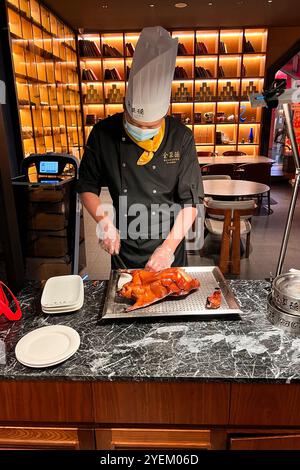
(49,167)
(49,181)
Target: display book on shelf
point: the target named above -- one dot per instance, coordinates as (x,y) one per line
(47,84)
(215,71)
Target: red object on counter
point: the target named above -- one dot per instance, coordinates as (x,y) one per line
(5,304)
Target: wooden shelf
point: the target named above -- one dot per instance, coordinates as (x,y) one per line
(115,58)
(47,82)
(32,21)
(90,57)
(91,81)
(29,79)
(233,40)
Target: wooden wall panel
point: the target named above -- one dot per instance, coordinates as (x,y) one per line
(266,443)
(161,402)
(265,404)
(45,401)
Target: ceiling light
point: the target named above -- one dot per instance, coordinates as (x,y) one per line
(104,5)
(270,1)
(151,5)
(180,5)
(210,4)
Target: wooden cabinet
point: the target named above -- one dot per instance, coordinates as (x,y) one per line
(149,415)
(266,442)
(45,438)
(265,405)
(45,401)
(145,438)
(178,403)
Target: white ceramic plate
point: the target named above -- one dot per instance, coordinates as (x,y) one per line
(59,309)
(123,279)
(47,346)
(62,291)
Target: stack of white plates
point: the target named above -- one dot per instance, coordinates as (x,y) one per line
(47,346)
(62,294)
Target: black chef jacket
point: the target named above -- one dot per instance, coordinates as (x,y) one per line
(172,176)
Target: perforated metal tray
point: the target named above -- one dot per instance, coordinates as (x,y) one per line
(192,304)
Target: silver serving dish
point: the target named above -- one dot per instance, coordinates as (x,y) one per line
(286,321)
(192,304)
(286,293)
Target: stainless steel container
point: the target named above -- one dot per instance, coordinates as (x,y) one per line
(286,293)
(286,321)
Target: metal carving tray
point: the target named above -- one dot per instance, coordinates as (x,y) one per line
(192,304)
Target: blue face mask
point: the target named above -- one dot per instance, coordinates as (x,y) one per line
(140,134)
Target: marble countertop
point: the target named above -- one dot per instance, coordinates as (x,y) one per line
(248,349)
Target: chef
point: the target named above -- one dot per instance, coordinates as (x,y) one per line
(149,163)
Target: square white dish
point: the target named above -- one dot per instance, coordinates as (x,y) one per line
(70,308)
(63,293)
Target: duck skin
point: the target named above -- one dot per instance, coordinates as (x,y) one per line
(214,300)
(148,287)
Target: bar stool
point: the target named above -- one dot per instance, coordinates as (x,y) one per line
(230,220)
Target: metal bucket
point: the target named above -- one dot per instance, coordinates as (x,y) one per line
(286,293)
(286,321)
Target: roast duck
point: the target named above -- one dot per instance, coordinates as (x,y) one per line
(214,300)
(147,287)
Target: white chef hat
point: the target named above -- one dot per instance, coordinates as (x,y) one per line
(149,86)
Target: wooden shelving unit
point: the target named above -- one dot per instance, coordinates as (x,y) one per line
(47,82)
(214,70)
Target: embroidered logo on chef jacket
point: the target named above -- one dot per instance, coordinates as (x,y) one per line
(171,157)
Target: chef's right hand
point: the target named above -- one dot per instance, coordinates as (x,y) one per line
(109,236)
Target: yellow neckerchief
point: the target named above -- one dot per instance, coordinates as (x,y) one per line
(150,146)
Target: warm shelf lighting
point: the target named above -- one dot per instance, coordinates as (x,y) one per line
(112,38)
(92,82)
(204,59)
(227,103)
(206,35)
(182,35)
(178,103)
(225,59)
(135,37)
(227,124)
(91,38)
(249,124)
(189,80)
(253,79)
(90,60)
(256,57)
(110,60)
(224,80)
(263,33)
(231,34)
(118,83)
(184,59)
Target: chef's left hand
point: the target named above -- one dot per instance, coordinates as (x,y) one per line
(162,258)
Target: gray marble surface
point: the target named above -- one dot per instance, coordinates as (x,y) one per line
(247,349)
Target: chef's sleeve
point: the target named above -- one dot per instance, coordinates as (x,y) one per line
(90,174)
(190,185)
